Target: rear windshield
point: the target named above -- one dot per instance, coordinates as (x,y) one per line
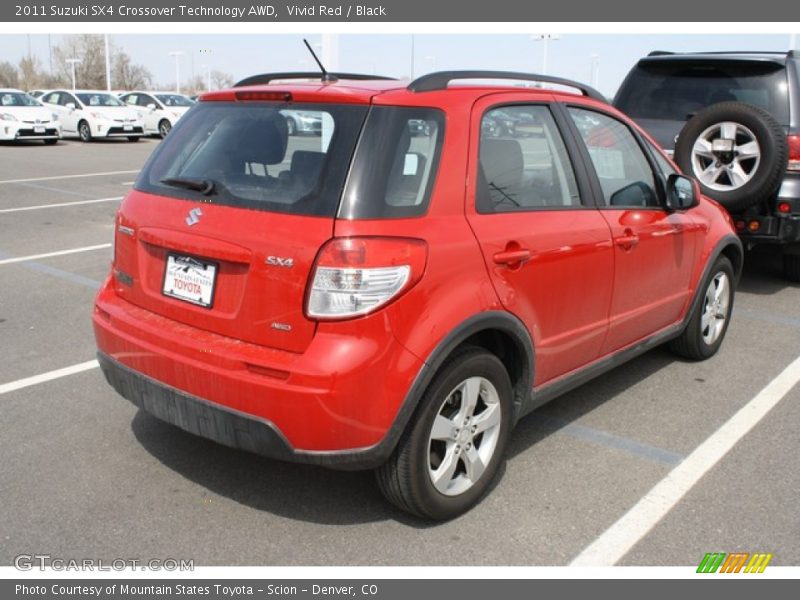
(241,154)
(17,99)
(675,91)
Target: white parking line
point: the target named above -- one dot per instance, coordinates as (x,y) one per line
(8,261)
(40,206)
(623,535)
(68,176)
(49,376)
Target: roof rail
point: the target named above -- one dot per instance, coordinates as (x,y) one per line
(660,53)
(440,81)
(790,53)
(270,77)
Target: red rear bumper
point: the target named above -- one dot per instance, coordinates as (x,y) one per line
(333,403)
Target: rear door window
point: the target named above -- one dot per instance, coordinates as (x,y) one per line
(240,154)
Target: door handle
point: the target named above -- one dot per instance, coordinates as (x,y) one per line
(628,241)
(511,257)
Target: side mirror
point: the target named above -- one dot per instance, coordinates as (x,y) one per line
(682,193)
(151,106)
(70,106)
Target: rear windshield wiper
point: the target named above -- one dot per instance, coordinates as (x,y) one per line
(204,186)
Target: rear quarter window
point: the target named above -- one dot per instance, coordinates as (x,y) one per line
(395,165)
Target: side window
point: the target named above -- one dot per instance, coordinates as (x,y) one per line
(523,163)
(621,166)
(130,99)
(663,164)
(51,98)
(144,100)
(65,99)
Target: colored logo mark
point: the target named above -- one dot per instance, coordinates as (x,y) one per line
(736,562)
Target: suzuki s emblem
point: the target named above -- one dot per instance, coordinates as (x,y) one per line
(194,216)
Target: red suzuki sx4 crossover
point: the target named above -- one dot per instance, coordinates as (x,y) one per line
(395,284)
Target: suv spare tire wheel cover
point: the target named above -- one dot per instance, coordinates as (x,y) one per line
(738,153)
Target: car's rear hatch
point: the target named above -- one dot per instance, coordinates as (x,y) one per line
(661,93)
(226,219)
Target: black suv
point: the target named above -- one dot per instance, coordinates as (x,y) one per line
(732,120)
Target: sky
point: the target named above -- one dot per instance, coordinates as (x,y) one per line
(242,55)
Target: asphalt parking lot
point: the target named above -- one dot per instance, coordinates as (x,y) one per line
(85,474)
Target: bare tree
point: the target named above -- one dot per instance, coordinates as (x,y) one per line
(90,73)
(220,80)
(31,75)
(128,76)
(8,75)
(194,85)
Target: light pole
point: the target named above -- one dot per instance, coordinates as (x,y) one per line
(108,66)
(594,70)
(545,39)
(73,62)
(177,54)
(207,69)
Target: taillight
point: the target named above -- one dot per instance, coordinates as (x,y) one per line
(355,276)
(794,153)
(264,96)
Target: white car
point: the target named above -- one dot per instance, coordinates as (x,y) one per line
(23,117)
(88,114)
(159,111)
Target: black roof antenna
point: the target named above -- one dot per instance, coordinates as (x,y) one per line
(326,77)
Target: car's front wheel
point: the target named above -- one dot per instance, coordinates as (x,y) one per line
(84,131)
(709,322)
(451,451)
(164,128)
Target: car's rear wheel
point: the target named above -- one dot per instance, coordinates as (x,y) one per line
(452,450)
(709,322)
(164,128)
(738,153)
(84,131)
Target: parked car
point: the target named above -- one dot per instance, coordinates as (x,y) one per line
(301,122)
(36,93)
(348,302)
(732,120)
(159,111)
(22,117)
(89,114)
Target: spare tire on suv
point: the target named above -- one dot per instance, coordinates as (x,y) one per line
(738,152)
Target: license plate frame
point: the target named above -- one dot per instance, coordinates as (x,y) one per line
(38,129)
(190,279)
(127,128)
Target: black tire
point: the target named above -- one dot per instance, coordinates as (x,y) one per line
(50,142)
(692,344)
(773,145)
(404,479)
(291,127)
(791,266)
(133,138)
(84,131)
(164,127)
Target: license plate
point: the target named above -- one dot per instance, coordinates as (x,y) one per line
(38,129)
(190,280)
(127,127)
